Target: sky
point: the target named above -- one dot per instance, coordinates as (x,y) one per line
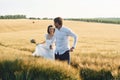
(62,8)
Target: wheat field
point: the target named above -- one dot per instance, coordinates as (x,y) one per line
(98,45)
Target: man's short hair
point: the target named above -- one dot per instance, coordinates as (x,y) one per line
(58,20)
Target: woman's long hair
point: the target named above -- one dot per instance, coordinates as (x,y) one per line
(49,28)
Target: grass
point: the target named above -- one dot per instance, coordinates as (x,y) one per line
(98,48)
(35,69)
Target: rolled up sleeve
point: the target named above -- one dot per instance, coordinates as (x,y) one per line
(72,34)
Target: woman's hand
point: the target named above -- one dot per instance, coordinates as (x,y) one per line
(51,47)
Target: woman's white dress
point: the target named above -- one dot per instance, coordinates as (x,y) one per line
(44,50)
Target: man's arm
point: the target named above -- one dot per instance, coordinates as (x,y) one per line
(72,34)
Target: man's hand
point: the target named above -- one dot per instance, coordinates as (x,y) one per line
(71,49)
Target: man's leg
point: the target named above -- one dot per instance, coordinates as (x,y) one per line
(56,56)
(65,56)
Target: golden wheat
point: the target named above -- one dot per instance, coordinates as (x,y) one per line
(98,44)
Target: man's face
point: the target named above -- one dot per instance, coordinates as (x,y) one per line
(56,25)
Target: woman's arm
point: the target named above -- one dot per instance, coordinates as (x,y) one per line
(42,42)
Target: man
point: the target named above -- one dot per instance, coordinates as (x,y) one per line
(62,33)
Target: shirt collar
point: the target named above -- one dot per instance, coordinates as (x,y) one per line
(60,28)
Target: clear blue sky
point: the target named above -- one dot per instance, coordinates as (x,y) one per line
(62,8)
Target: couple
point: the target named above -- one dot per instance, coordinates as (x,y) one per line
(58,35)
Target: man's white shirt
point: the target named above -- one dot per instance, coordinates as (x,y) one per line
(61,39)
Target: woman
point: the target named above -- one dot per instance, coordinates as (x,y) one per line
(45,49)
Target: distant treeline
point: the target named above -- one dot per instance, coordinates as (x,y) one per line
(13,17)
(22,17)
(45,18)
(99,20)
